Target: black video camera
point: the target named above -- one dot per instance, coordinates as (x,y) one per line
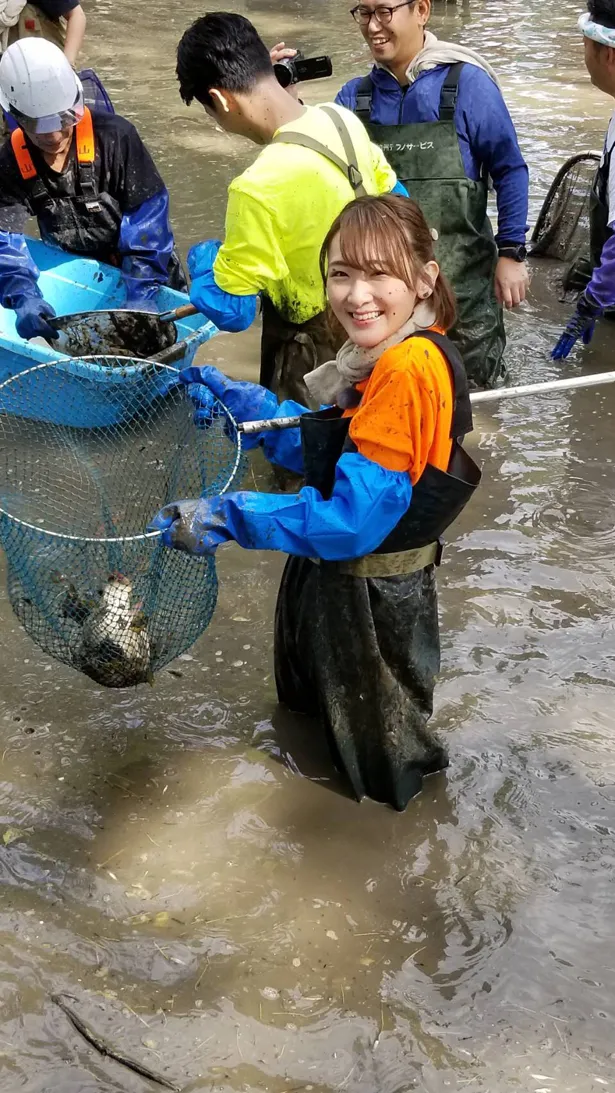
(298,69)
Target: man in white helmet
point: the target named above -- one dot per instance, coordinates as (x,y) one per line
(87,177)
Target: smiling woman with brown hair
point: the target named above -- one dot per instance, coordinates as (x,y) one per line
(357,641)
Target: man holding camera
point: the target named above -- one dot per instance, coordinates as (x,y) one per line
(438,113)
(314,161)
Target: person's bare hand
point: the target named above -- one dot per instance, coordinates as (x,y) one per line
(511,282)
(281,52)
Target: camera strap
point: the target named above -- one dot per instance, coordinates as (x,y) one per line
(348,166)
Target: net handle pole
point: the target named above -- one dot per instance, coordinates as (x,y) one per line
(477,397)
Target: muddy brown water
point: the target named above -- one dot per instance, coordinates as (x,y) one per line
(182,861)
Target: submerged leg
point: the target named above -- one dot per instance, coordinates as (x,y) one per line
(364,653)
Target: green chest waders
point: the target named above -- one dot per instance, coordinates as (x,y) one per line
(427,159)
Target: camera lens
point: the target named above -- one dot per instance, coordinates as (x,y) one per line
(284,72)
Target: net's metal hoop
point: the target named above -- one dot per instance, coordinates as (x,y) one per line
(562,229)
(91,449)
(136,366)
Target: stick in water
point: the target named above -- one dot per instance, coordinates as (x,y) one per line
(106,1049)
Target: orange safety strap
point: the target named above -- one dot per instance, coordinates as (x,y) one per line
(27,169)
(86,149)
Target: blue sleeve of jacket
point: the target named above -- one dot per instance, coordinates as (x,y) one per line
(227,312)
(602,285)
(18,272)
(400,189)
(366,503)
(493,142)
(146,245)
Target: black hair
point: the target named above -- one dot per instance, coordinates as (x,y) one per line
(602,12)
(220,50)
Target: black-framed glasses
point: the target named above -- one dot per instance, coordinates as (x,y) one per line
(364,15)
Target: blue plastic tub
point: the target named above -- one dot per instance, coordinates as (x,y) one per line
(72,284)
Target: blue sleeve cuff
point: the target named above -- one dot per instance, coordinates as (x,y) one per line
(18,272)
(227,312)
(146,245)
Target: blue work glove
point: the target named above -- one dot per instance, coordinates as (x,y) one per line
(203,401)
(245,401)
(581,326)
(31,319)
(191,526)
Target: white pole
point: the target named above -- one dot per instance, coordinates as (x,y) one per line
(542,388)
(476,397)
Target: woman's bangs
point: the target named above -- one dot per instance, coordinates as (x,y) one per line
(374,243)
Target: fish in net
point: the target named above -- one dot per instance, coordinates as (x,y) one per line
(90,450)
(562,230)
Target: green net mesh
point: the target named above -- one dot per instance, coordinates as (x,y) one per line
(90,450)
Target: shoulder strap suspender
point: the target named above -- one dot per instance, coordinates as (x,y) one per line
(86,155)
(363,104)
(462,410)
(450,90)
(35,188)
(448,95)
(349,166)
(355,178)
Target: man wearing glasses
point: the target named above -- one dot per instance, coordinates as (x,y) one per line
(437,111)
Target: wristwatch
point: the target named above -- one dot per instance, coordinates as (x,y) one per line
(516,251)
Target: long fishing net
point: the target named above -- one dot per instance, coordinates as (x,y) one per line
(562,229)
(90,450)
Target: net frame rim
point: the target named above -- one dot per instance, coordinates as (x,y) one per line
(138,365)
(551,193)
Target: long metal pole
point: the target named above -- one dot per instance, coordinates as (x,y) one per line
(542,388)
(496,394)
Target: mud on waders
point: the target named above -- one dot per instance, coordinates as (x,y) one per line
(427,159)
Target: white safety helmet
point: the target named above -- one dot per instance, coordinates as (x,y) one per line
(39,87)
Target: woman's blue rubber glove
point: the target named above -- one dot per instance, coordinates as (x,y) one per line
(191,527)
(244,401)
